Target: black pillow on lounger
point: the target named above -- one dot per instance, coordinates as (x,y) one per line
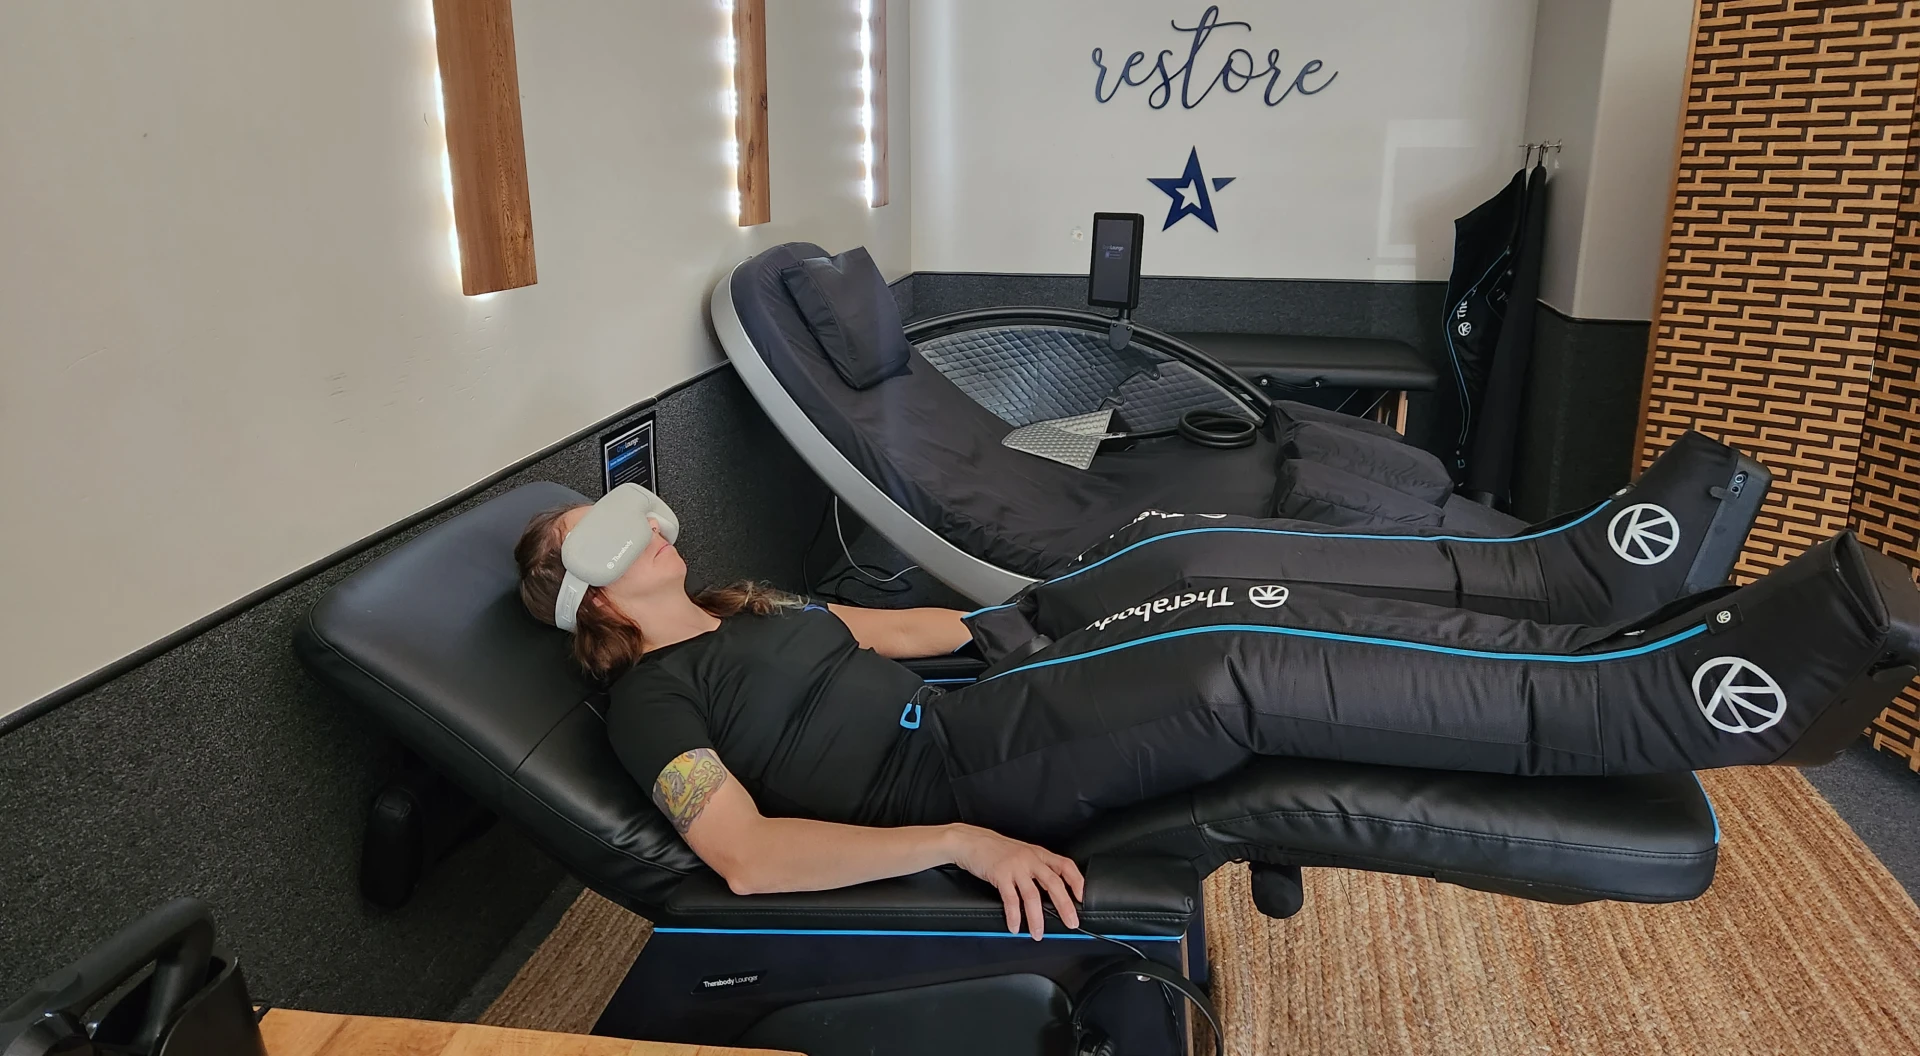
(851,313)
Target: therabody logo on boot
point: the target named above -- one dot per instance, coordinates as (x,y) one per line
(1644,534)
(1271,596)
(1744,698)
(1147,610)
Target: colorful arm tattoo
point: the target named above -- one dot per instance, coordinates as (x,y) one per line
(684,787)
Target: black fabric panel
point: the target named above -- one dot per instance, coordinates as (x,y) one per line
(1473,314)
(1313,491)
(1406,469)
(851,313)
(1463,515)
(1490,465)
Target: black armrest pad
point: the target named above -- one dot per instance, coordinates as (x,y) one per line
(1633,839)
(1138,895)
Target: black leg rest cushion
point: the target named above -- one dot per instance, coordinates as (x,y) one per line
(1566,839)
(432,640)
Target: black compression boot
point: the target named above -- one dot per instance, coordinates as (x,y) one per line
(1184,688)
(1787,670)
(1675,531)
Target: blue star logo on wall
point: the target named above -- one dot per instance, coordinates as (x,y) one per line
(1189,192)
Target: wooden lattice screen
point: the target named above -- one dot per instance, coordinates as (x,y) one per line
(1789,312)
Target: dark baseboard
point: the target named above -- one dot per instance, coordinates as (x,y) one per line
(1577,434)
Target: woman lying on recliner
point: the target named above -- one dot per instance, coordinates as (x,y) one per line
(793,754)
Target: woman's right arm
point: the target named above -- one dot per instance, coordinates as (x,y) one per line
(756,854)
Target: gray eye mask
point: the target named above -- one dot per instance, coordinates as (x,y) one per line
(606,543)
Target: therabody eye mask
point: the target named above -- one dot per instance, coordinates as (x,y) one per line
(606,542)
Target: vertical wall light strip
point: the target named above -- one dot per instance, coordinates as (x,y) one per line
(446,171)
(751,171)
(730,106)
(486,153)
(873,110)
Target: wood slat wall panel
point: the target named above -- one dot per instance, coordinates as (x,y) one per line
(1789,310)
(480,84)
(1886,492)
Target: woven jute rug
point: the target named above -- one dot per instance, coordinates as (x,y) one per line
(1804,946)
(570,978)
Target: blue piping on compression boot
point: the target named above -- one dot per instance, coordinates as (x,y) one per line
(1300,632)
(1576,522)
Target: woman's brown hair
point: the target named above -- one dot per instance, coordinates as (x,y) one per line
(605,643)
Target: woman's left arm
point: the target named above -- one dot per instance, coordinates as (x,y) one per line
(904,634)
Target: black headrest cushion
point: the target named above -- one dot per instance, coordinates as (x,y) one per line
(846,304)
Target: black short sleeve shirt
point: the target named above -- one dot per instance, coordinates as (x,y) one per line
(810,724)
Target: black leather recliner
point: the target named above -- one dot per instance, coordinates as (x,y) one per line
(432,638)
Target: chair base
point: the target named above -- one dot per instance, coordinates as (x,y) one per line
(1006,1015)
(715,987)
(415,821)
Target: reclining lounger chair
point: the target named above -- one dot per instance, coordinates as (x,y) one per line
(433,640)
(919,456)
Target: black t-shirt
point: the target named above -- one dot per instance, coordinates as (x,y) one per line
(810,723)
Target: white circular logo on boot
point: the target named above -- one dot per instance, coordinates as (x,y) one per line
(1744,699)
(1644,534)
(1271,596)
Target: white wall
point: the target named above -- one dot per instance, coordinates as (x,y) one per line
(1607,82)
(1563,100)
(1361,181)
(1635,136)
(231,334)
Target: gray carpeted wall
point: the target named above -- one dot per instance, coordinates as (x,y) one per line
(218,769)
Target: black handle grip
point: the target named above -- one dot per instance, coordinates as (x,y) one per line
(177,939)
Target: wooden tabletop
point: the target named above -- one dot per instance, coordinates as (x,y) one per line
(293,1033)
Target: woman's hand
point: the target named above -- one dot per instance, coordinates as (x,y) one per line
(1019,871)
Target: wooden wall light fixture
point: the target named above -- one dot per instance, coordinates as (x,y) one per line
(486,155)
(747,54)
